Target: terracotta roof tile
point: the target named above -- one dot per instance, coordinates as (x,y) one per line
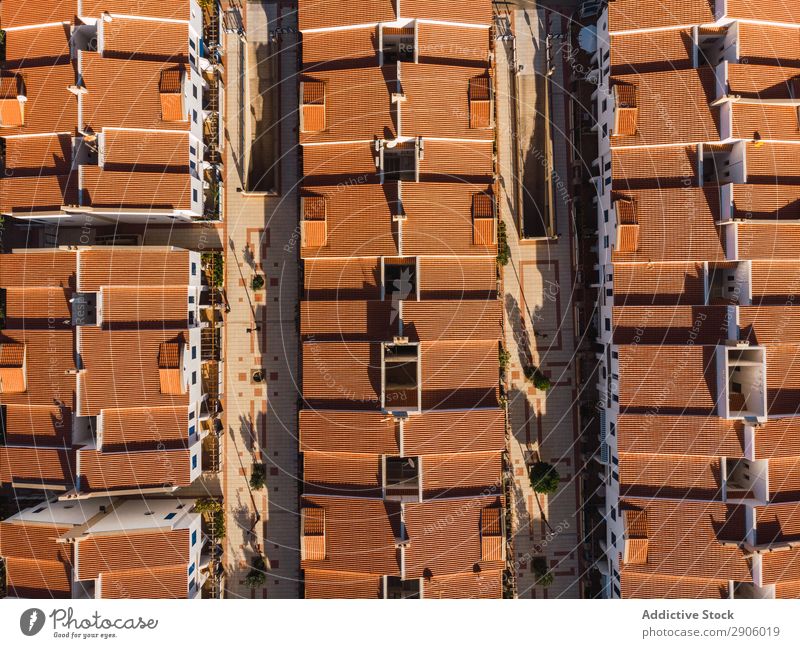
(342,279)
(174,10)
(675,225)
(132,267)
(340,48)
(312,15)
(783,379)
(18,13)
(680,435)
(765,122)
(648,168)
(670,324)
(780,11)
(151,583)
(126,93)
(97,554)
(322,584)
(656,586)
(633,14)
(461,278)
(168,306)
(37,466)
(664,100)
(38,579)
(641,284)
(138,427)
(142,190)
(675,476)
(651,51)
(437,42)
(121,369)
(685,539)
(145,151)
(44,45)
(769,44)
(102,471)
(160,40)
(50,107)
(477,12)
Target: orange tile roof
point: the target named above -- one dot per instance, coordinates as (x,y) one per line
(102,471)
(51,107)
(765,122)
(38,579)
(772,162)
(656,586)
(780,11)
(439,219)
(173,10)
(768,241)
(338,13)
(340,48)
(145,151)
(634,14)
(322,584)
(667,379)
(675,225)
(769,44)
(673,476)
(44,45)
(135,428)
(342,279)
(136,190)
(680,435)
(769,324)
(39,155)
(38,269)
(98,553)
(42,425)
(18,13)
(125,93)
(459,374)
(444,320)
(762,81)
(651,51)
(783,379)
(777,438)
(442,100)
(114,266)
(664,102)
(774,281)
(648,168)
(37,466)
(686,538)
(152,582)
(351,475)
(348,320)
(439,42)
(169,305)
(157,40)
(32,194)
(670,324)
(357,103)
(640,284)
(460,475)
(476,12)
(767,201)
(341,375)
(121,369)
(48,358)
(462,278)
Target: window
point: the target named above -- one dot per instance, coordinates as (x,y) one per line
(613,513)
(605,104)
(613,538)
(194,91)
(608,166)
(613,428)
(194,377)
(194,116)
(194,461)
(607,324)
(605,215)
(191,318)
(194,351)
(191,299)
(191,416)
(609,292)
(169,516)
(615,354)
(192,150)
(194,195)
(194,268)
(194,538)
(605,130)
(191,430)
(605,241)
(191,569)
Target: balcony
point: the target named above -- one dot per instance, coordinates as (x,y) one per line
(741,375)
(402,479)
(400,376)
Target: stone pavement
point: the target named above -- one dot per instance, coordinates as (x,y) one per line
(261,329)
(540,330)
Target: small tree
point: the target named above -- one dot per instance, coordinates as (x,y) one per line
(257,575)
(537,378)
(503,250)
(216,263)
(258,478)
(258,282)
(544,478)
(541,571)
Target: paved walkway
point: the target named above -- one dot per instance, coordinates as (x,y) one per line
(261,417)
(540,330)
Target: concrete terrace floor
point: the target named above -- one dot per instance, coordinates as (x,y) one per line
(540,329)
(261,418)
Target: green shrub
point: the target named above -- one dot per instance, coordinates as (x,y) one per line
(207,505)
(258,282)
(541,571)
(258,478)
(503,250)
(537,378)
(257,575)
(216,263)
(504,358)
(544,478)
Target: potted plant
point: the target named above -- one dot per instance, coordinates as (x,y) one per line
(257,282)
(258,476)
(541,571)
